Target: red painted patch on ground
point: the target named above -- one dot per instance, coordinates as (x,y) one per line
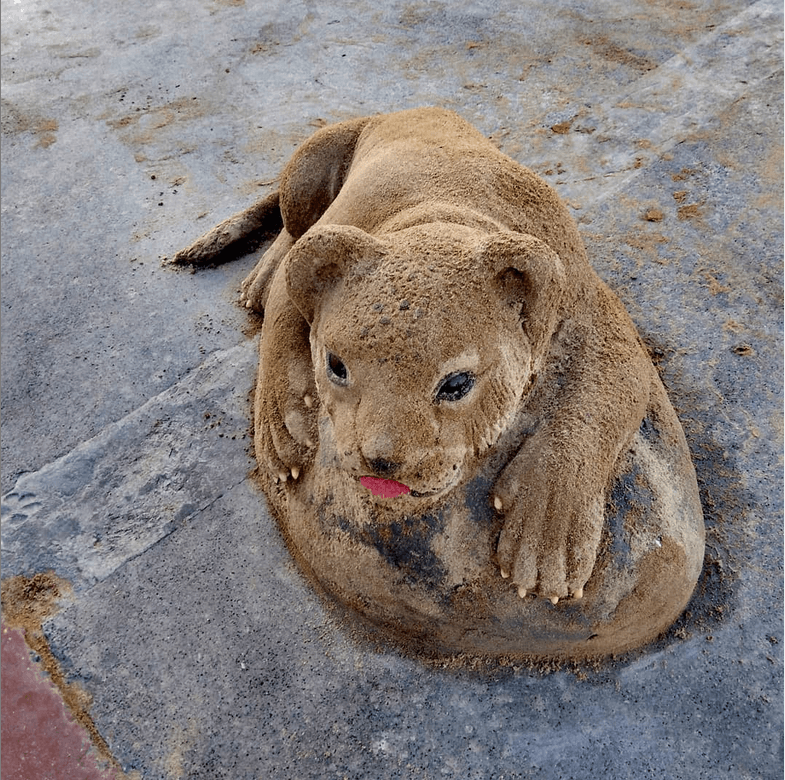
(384,488)
(40,738)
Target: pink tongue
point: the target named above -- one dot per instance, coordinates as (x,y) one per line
(384,488)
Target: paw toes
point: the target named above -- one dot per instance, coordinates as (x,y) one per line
(525,572)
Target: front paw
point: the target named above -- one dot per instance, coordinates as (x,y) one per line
(551,532)
(286,435)
(255,288)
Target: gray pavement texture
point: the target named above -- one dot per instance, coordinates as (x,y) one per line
(130,128)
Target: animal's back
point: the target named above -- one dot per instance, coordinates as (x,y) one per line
(429,164)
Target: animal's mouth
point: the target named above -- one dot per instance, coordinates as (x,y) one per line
(385,488)
(390,488)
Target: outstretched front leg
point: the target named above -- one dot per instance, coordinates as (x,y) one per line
(552,494)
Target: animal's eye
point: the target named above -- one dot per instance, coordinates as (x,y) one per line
(455,386)
(336,370)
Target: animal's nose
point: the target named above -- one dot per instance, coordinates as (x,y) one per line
(384,467)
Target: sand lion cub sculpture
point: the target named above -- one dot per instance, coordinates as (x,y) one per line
(457,426)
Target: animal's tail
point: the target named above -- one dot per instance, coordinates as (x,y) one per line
(235,236)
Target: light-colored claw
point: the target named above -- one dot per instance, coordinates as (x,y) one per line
(247,304)
(497,503)
(295,472)
(505,574)
(554,600)
(522,592)
(309,444)
(282,476)
(577,593)
(308,401)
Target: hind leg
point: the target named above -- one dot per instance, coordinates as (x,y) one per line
(310,182)
(314,176)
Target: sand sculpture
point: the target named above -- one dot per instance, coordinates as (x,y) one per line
(456,424)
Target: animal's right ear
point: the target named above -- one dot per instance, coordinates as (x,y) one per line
(322,258)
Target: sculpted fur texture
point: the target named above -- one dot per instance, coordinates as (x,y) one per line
(448,394)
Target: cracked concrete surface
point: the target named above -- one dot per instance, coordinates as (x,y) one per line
(127,131)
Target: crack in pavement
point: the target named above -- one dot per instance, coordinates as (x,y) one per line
(116,495)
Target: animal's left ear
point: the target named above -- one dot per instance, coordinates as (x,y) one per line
(322,258)
(528,272)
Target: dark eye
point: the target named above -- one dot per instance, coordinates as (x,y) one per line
(455,386)
(336,370)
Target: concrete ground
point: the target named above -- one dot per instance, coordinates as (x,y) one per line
(128,129)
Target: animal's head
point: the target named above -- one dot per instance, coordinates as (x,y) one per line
(423,344)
